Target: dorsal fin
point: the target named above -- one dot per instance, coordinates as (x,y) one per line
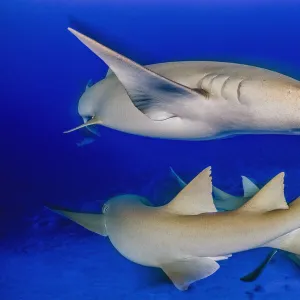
(153,94)
(195,198)
(270,197)
(249,187)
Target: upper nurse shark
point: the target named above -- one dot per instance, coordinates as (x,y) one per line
(192,100)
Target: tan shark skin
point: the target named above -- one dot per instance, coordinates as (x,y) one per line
(227,202)
(187,236)
(192,100)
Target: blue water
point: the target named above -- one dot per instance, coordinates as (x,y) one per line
(44,70)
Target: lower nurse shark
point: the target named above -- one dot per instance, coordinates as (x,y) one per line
(188,236)
(188,100)
(226,202)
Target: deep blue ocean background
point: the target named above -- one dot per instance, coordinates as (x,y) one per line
(44,70)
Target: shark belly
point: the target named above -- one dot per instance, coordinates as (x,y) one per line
(137,246)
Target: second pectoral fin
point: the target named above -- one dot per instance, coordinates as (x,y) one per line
(185,272)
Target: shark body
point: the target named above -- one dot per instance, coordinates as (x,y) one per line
(190,100)
(227,202)
(187,236)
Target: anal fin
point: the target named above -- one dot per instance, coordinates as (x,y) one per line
(185,272)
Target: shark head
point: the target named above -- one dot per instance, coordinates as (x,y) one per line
(89,107)
(153,98)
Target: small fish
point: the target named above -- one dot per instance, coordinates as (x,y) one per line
(85,141)
(187,237)
(189,100)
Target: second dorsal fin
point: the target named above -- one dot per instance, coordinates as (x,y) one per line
(269,198)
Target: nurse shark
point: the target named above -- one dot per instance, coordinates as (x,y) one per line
(188,236)
(226,202)
(189,100)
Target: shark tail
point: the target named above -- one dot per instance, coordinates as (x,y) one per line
(90,221)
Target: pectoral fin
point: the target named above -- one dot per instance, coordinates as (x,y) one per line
(258,271)
(252,276)
(156,96)
(185,272)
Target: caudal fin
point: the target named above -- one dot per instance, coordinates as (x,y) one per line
(92,222)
